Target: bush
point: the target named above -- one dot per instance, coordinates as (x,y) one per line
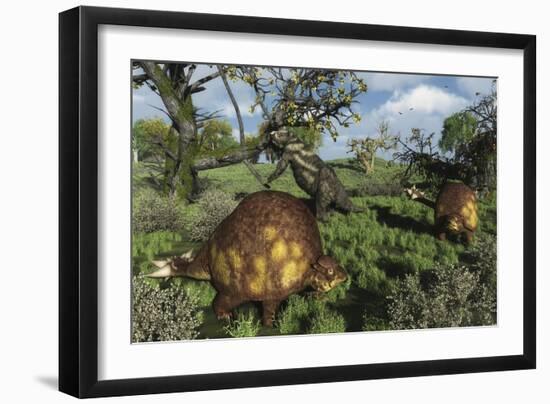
(449,295)
(309,314)
(327,321)
(290,319)
(214,206)
(244,325)
(152,212)
(374,323)
(163,314)
(148,245)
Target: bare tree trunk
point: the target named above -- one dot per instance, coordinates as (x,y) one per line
(235,105)
(251,168)
(180,180)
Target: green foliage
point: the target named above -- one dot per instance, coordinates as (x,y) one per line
(213,206)
(378,248)
(327,321)
(148,245)
(374,323)
(163,314)
(152,212)
(365,149)
(448,295)
(202,290)
(145,133)
(314,98)
(310,136)
(458,129)
(215,135)
(309,314)
(245,324)
(289,320)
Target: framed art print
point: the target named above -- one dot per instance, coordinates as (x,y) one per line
(250,201)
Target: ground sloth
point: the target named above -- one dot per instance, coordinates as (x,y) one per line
(311,174)
(267,249)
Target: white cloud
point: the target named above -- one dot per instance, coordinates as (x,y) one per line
(215,98)
(392,81)
(423,99)
(431,105)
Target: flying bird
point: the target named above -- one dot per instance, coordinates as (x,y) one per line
(477,93)
(411,108)
(400,113)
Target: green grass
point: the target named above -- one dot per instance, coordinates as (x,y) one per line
(378,247)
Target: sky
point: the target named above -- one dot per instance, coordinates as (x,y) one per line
(390,97)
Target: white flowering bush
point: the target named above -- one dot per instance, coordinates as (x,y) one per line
(213,206)
(153,212)
(167,314)
(449,295)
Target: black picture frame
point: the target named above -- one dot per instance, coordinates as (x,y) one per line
(78,201)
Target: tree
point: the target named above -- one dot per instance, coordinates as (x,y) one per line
(299,97)
(458,129)
(470,137)
(311,137)
(481,151)
(174,84)
(145,133)
(421,157)
(216,135)
(365,149)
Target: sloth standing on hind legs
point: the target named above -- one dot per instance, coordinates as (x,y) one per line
(311,174)
(455,210)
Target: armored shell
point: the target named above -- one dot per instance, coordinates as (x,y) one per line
(265,248)
(458,200)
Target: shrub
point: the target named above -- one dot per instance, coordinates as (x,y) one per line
(327,321)
(244,325)
(214,206)
(289,320)
(309,314)
(152,212)
(374,323)
(148,245)
(448,296)
(202,290)
(163,314)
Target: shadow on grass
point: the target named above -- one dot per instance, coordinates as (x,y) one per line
(384,216)
(356,303)
(394,267)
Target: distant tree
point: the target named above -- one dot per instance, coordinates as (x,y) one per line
(470,137)
(458,129)
(422,158)
(216,135)
(481,151)
(365,149)
(145,134)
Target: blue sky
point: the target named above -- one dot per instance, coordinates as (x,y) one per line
(432,97)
